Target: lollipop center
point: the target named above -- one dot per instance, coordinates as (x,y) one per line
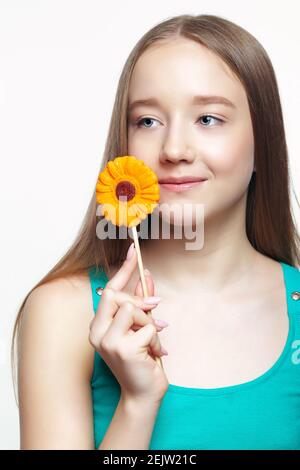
(125,188)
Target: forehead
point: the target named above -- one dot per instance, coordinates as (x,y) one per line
(180,68)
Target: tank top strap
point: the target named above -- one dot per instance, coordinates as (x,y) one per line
(98,280)
(292,284)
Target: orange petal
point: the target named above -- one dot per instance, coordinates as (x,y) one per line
(105,178)
(109,213)
(148,181)
(151,188)
(133,166)
(114,170)
(149,197)
(102,188)
(102,198)
(150,205)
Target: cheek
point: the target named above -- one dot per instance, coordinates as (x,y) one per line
(231,160)
(142,146)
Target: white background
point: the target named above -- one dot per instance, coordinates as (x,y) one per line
(59,66)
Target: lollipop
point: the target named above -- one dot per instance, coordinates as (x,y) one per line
(128,191)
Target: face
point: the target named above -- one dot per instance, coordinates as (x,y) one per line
(179,137)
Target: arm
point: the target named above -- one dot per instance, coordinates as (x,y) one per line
(55,367)
(131,426)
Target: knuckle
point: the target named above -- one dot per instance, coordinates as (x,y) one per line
(93,338)
(152,328)
(108,293)
(109,345)
(105,344)
(128,307)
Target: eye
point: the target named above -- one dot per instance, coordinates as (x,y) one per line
(210,117)
(140,121)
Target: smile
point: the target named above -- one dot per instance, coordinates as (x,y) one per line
(177,188)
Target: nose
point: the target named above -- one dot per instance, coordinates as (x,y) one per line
(175,149)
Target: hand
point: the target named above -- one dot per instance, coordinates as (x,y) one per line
(114,334)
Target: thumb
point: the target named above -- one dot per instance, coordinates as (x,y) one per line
(122,276)
(150,285)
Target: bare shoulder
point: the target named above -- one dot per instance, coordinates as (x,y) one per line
(63,309)
(55,366)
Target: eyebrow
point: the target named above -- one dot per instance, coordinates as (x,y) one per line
(198,99)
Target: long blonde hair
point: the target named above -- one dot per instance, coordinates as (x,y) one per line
(270,225)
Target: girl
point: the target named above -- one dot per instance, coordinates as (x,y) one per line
(197,99)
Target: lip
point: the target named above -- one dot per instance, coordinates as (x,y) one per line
(181,179)
(179,187)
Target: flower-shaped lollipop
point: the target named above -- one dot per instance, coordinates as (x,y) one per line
(128,191)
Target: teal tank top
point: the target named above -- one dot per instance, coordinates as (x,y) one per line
(263,413)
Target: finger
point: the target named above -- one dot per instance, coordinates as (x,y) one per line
(150,291)
(147,337)
(122,276)
(127,315)
(150,286)
(153,320)
(111,301)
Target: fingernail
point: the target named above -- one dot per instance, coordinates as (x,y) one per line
(161,323)
(130,251)
(147,272)
(151,300)
(164,351)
